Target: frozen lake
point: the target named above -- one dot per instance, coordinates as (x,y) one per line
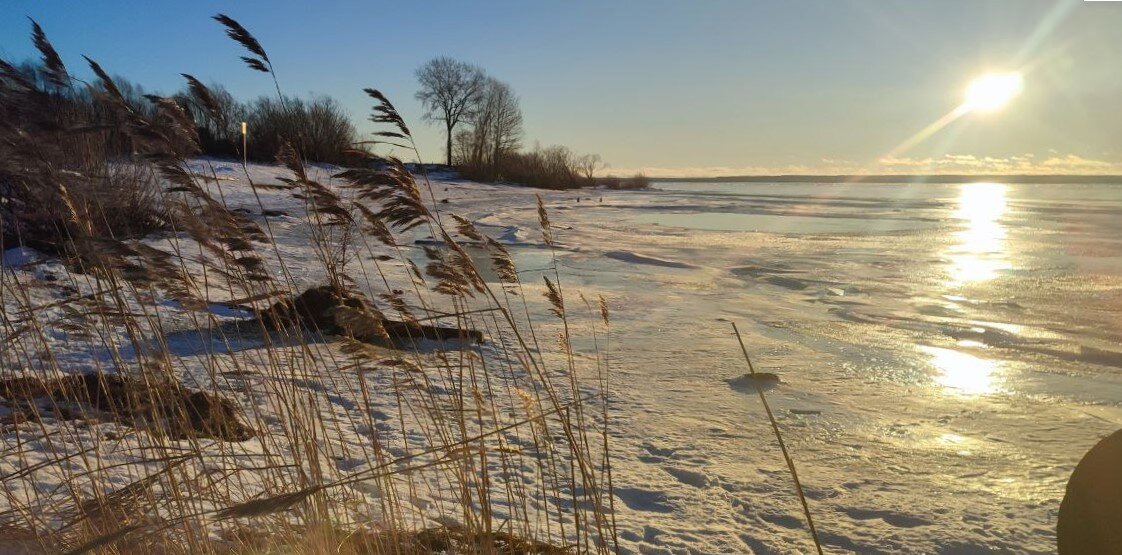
(948,353)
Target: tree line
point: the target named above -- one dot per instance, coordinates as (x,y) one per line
(481,118)
(319,125)
(482,122)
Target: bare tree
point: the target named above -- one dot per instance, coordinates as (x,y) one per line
(450,89)
(505,121)
(496,129)
(464,147)
(588,164)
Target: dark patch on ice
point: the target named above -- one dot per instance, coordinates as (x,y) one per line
(757,271)
(348,465)
(635,258)
(749,382)
(226,338)
(990,336)
(806,411)
(782,519)
(1100,356)
(896,519)
(787,283)
(782,277)
(937,310)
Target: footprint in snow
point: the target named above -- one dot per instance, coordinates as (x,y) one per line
(661,452)
(688,477)
(638,499)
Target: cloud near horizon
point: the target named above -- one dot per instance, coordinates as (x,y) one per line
(957,164)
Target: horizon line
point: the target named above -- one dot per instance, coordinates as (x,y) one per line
(902,177)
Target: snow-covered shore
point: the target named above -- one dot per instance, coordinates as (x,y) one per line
(947,354)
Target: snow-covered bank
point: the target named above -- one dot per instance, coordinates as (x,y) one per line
(432,412)
(938,382)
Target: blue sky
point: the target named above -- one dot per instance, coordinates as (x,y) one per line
(684,88)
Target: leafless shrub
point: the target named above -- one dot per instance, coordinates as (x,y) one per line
(318,128)
(61,173)
(637,181)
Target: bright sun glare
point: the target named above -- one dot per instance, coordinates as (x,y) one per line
(987,93)
(992,91)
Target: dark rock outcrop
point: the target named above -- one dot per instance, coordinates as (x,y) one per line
(327,310)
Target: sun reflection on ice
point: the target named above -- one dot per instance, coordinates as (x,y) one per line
(979,251)
(964,373)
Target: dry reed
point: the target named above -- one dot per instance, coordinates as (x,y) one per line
(779,438)
(359,434)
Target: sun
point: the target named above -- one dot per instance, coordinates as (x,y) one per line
(992,91)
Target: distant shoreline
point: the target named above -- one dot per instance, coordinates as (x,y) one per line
(1030,179)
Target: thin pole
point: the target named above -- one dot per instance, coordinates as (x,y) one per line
(245,155)
(779,437)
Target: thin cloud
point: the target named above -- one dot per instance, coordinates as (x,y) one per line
(1025,164)
(958,164)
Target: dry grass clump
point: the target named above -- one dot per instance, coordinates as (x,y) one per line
(337,414)
(166,409)
(57,179)
(448,540)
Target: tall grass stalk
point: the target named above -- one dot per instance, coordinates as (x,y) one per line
(779,438)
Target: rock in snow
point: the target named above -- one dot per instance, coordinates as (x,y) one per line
(750,382)
(1091,512)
